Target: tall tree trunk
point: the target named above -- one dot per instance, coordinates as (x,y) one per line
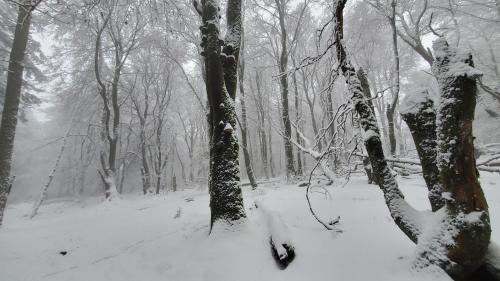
(285,116)
(226,200)
(297,121)
(391,109)
(400,137)
(12,99)
(419,114)
(146,175)
(244,124)
(108,135)
(311,103)
(270,142)
(262,129)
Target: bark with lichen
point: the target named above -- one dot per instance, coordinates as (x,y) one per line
(226,201)
(421,120)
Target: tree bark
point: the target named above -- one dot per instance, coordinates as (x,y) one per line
(12,99)
(421,119)
(405,216)
(297,121)
(226,200)
(107,156)
(244,123)
(365,85)
(262,129)
(390,121)
(285,116)
(391,110)
(462,192)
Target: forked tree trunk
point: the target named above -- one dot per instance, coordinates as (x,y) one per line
(466,216)
(418,112)
(12,99)
(226,200)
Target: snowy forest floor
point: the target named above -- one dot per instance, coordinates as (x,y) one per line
(148,238)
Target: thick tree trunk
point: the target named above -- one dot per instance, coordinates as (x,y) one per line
(372,178)
(226,201)
(419,114)
(12,99)
(365,85)
(466,215)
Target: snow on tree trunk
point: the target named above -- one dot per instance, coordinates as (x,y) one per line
(391,109)
(12,99)
(405,216)
(417,110)
(226,200)
(459,242)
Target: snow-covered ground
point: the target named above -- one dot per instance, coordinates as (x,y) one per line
(166,237)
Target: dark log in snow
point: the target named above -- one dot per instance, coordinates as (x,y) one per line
(282,247)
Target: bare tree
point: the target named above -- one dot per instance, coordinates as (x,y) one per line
(123,41)
(281,6)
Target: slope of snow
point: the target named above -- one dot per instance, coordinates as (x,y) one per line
(166,237)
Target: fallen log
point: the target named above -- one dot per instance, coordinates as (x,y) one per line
(481,166)
(282,247)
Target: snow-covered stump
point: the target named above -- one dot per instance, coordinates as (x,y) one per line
(417,110)
(459,242)
(282,247)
